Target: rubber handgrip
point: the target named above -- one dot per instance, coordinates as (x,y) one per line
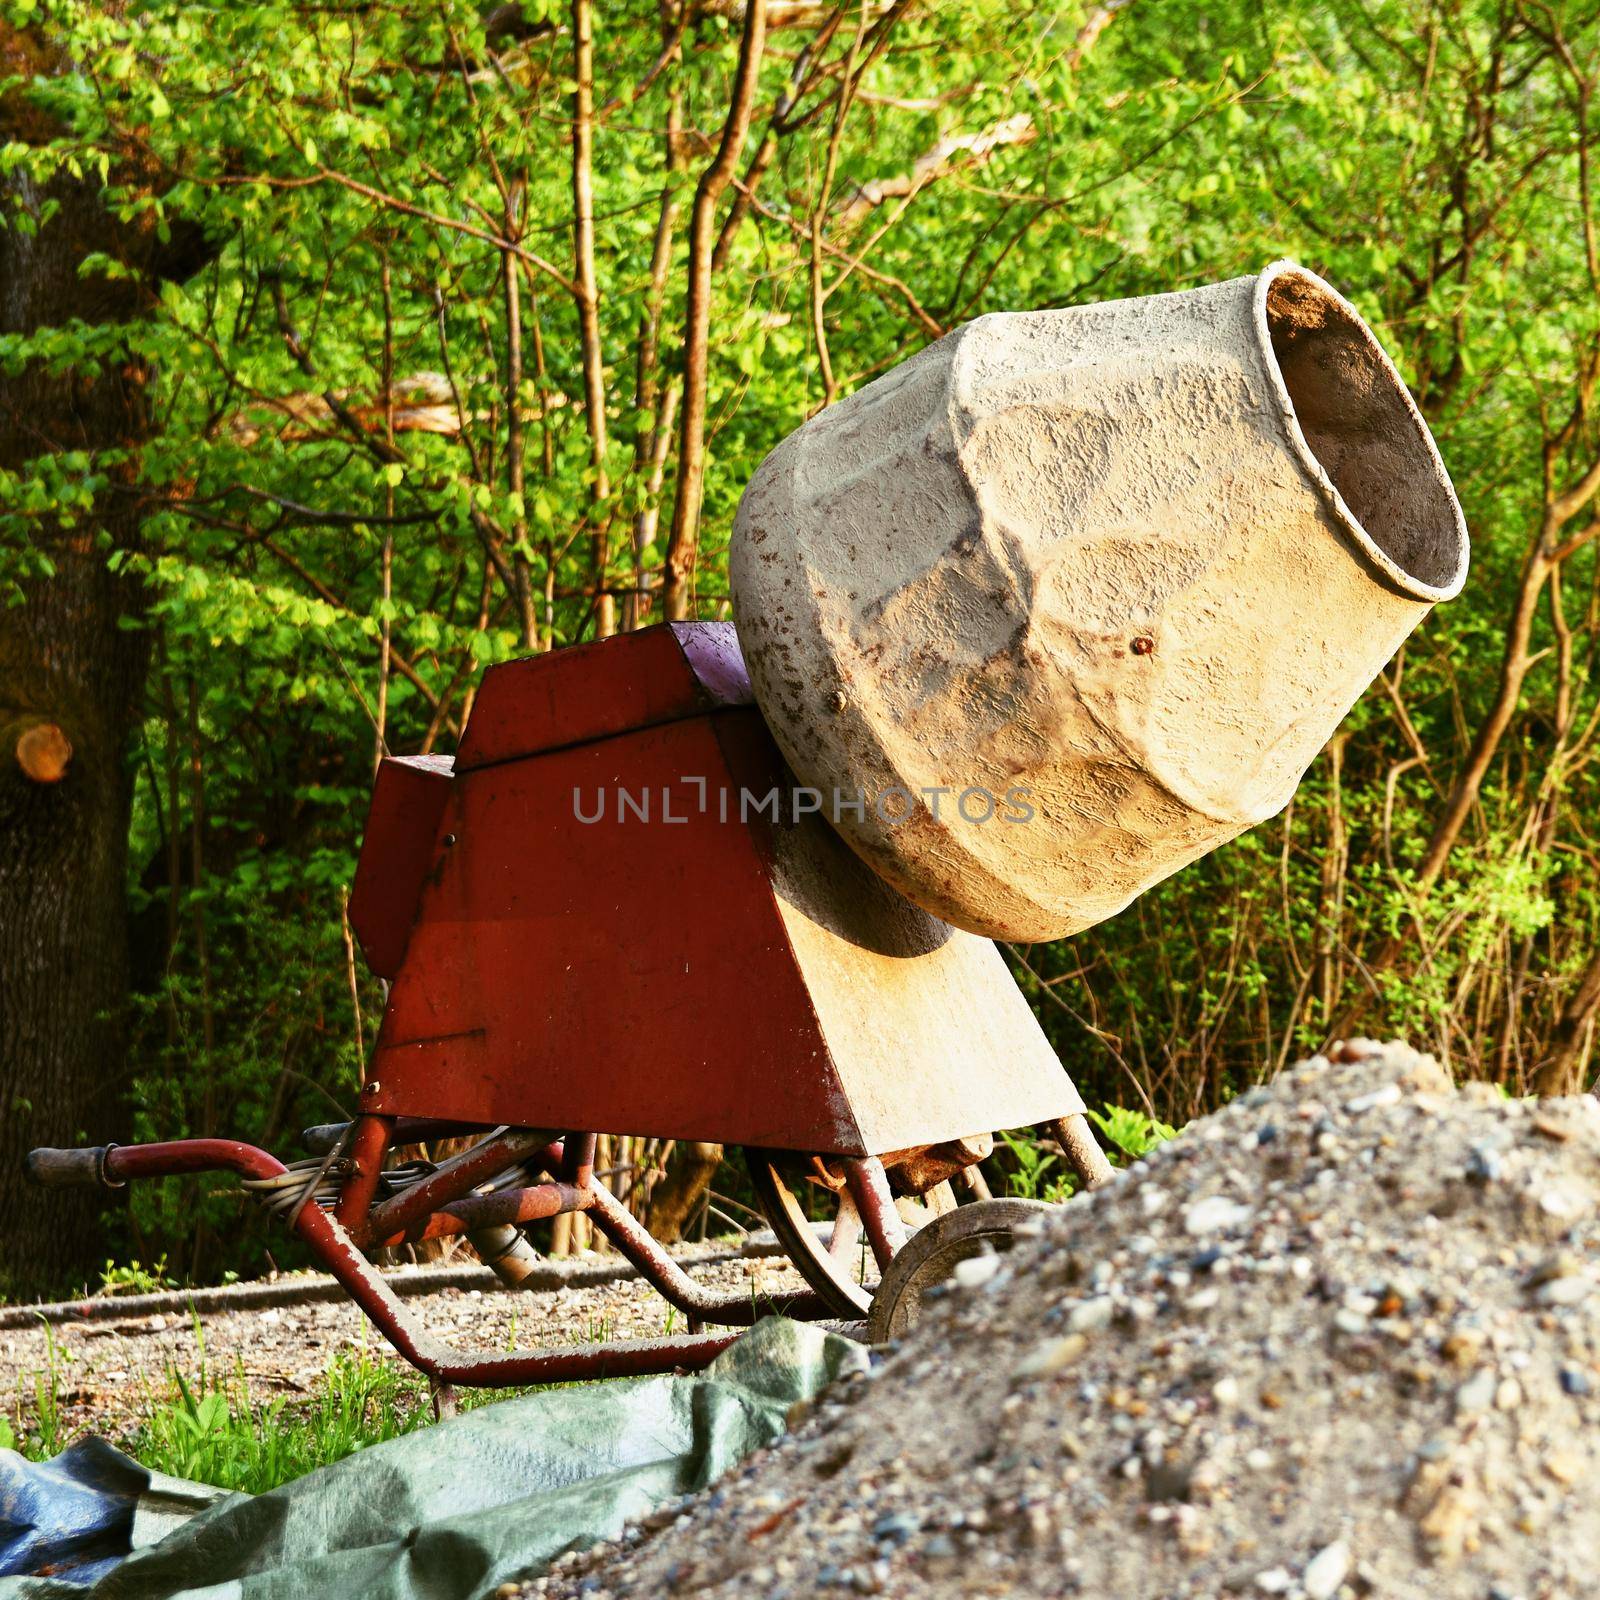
(68,1169)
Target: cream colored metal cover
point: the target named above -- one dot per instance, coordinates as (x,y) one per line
(930,1036)
(1108,576)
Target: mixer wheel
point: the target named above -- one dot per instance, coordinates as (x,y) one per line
(833,1260)
(833,1257)
(932,1253)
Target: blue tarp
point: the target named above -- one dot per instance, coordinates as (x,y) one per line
(79,1515)
(447,1513)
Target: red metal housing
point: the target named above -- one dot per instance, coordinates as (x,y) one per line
(626,922)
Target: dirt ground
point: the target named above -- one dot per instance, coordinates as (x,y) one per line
(106,1373)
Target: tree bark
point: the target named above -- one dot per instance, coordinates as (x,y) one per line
(675,1200)
(67,665)
(1508,694)
(588,301)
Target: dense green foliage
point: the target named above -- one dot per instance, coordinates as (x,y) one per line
(375,471)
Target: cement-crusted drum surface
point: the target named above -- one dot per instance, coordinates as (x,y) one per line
(1108,577)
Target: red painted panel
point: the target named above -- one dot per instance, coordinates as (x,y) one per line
(592,691)
(397,851)
(617,974)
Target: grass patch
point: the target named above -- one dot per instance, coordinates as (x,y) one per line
(216,1428)
(217,1431)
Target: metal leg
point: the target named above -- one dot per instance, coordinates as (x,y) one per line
(977,1184)
(336,1249)
(365,1148)
(577,1161)
(1083,1151)
(453,1180)
(869,1187)
(635,1243)
(831,1263)
(443,1396)
(494,1369)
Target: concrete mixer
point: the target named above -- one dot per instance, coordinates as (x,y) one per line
(1024,626)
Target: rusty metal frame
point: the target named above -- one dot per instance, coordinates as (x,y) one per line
(452,1180)
(444,1202)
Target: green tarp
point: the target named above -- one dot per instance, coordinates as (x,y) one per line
(452,1511)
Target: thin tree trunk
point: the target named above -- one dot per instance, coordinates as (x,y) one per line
(683,546)
(1542,559)
(588,298)
(1558,1072)
(650,448)
(1330,908)
(516,476)
(202,955)
(675,1200)
(819,213)
(1508,692)
(380,732)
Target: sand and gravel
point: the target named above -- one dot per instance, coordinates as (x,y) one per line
(1340,1339)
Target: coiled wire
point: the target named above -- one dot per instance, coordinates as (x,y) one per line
(284,1193)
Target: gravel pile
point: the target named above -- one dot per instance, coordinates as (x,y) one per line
(1338,1340)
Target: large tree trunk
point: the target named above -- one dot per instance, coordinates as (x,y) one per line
(71,679)
(676,1199)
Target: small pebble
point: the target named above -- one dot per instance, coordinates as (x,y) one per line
(1551,1268)
(1477,1393)
(895,1527)
(1088,1315)
(976,1271)
(1053,1356)
(1563,1202)
(1326,1571)
(1217,1213)
(1388,1095)
(1564,1291)
(1485,1165)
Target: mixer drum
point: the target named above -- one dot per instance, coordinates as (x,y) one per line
(1072,597)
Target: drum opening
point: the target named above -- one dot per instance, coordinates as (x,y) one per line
(1362,435)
